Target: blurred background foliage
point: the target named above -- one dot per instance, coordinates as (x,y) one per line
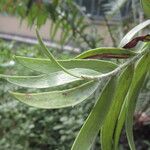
(75,18)
(24,127)
(27,128)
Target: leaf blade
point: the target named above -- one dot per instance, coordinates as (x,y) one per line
(122,118)
(51,57)
(132,32)
(58,99)
(106,52)
(119,125)
(108,127)
(139,76)
(92,125)
(49,67)
(55,79)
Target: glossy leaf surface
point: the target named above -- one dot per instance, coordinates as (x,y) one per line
(52,58)
(122,116)
(106,52)
(58,99)
(91,127)
(132,32)
(50,80)
(119,125)
(138,79)
(108,127)
(46,66)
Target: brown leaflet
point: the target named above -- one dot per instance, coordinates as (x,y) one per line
(134,41)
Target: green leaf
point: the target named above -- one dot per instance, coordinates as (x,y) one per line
(51,57)
(132,32)
(122,117)
(93,123)
(119,125)
(139,76)
(106,52)
(46,66)
(108,127)
(50,80)
(58,99)
(146,7)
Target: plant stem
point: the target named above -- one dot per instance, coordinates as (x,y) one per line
(121,67)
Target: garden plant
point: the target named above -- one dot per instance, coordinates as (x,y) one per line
(116,102)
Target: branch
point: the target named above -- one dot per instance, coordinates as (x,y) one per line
(121,67)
